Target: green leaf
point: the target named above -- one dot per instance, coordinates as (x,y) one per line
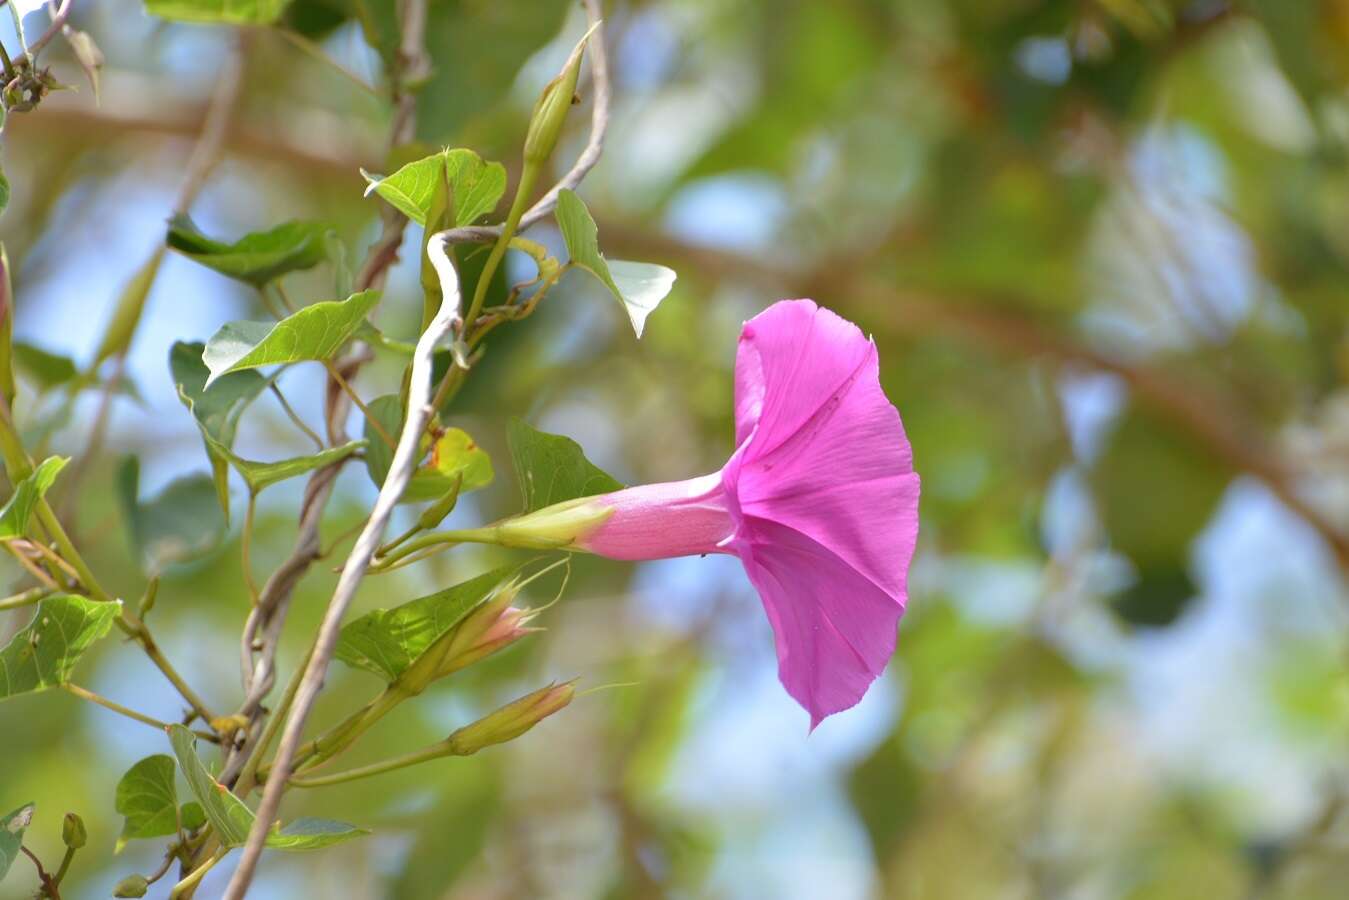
(18,510)
(227,814)
(312,834)
(388,641)
(255,258)
(315,332)
(552,468)
(232,12)
(217,409)
(475,185)
(638,286)
(182,523)
(147,797)
(258,475)
(231,819)
(4,191)
(43,654)
(453,454)
(47,370)
(12,828)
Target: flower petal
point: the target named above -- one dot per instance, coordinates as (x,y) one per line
(834,628)
(792,357)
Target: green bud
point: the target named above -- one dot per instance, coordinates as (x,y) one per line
(545,125)
(436,512)
(440,658)
(131,886)
(73,833)
(512,720)
(555,527)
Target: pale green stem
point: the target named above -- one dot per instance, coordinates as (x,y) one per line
(435,751)
(25,598)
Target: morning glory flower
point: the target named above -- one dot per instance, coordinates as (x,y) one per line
(819,501)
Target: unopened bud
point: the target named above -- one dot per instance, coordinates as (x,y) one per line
(508,628)
(551,109)
(554,527)
(434,514)
(462,644)
(512,720)
(73,833)
(131,886)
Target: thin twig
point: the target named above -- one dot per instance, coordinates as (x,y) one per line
(295,417)
(400,472)
(308,47)
(58,20)
(49,887)
(99,699)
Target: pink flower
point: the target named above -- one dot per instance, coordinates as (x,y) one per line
(819,501)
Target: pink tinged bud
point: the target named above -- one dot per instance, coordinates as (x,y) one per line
(494,625)
(511,720)
(819,502)
(508,628)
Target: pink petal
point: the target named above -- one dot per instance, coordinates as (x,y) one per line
(834,628)
(792,357)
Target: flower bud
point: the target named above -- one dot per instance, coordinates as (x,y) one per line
(73,833)
(482,632)
(436,512)
(131,886)
(551,109)
(511,720)
(554,527)
(508,628)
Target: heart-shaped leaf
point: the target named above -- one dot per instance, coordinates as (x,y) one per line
(552,468)
(147,796)
(638,286)
(255,258)
(183,522)
(315,332)
(454,454)
(476,186)
(19,508)
(43,654)
(217,409)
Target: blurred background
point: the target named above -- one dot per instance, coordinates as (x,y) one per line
(1103,248)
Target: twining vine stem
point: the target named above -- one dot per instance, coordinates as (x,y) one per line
(400,473)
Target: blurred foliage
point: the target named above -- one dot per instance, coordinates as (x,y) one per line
(1102,246)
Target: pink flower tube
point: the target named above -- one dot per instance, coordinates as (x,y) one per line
(819,501)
